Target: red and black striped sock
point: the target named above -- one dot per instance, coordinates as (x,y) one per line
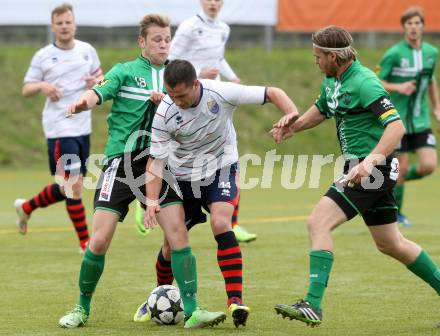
(231,264)
(77,214)
(49,195)
(164,273)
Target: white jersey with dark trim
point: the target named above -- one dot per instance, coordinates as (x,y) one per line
(199,140)
(201,41)
(66,69)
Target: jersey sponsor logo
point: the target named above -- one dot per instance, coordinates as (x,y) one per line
(213,106)
(179,119)
(85,56)
(54,59)
(346,98)
(109,180)
(386,104)
(226,192)
(102,82)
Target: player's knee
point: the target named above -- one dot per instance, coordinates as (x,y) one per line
(390,248)
(177,238)
(220,224)
(77,190)
(99,243)
(313,223)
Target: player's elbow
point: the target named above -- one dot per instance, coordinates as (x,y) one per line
(25,92)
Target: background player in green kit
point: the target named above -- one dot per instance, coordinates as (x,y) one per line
(135,88)
(368,128)
(407,72)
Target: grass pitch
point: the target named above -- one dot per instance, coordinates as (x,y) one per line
(368,293)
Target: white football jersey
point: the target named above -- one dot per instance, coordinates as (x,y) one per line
(201,41)
(200,140)
(66,69)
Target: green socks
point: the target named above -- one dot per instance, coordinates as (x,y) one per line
(91,269)
(412,173)
(399,190)
(183,264)
(320,268)
(425,268)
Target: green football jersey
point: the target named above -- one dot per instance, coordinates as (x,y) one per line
(361,107)
(402,63)
(132,112)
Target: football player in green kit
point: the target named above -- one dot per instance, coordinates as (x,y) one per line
(136,88)
(407,72)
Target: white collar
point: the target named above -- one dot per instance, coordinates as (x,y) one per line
(208,19)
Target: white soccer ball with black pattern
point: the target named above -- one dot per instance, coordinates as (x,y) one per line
(165,305)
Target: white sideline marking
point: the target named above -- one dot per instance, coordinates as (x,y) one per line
(31,230)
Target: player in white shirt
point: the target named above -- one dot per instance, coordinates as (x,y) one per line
(62,71)
(193,134)
(201,40)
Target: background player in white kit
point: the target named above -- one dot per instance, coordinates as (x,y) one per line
(193,133)
(201,40)
(62,71)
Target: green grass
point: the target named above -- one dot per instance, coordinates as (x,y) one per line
(368,294)
(22,143)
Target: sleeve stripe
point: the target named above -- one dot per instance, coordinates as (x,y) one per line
(388,113)
(391,120)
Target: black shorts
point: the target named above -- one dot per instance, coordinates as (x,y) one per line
(373,201)
(68,156)
(411,142)
(123,180)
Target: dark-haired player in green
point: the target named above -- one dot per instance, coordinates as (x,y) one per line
(136,88)
(407,72)
(368,128)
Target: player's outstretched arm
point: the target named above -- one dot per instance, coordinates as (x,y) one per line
(281,100)
(286,126)
(87,101)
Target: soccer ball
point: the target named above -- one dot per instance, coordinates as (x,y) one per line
(165,305)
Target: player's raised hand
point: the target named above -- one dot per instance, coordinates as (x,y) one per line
(51,91)
(78,107)
(156,97)
(209,73)
(150,216)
